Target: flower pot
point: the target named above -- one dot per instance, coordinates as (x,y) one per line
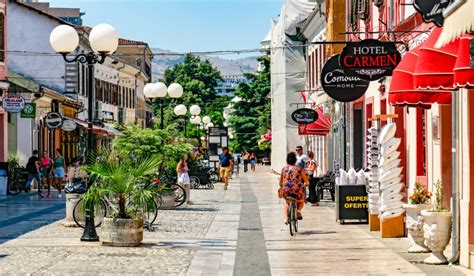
(121,232)
(71,201)
(437,232)
(168,200)
(414,224)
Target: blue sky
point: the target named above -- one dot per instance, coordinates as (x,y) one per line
(184,25)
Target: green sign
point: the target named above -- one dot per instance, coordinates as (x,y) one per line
(29,111)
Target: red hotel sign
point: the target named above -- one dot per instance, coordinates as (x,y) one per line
(369,59)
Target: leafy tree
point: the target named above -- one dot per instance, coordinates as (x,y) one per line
(199,80)
(251,116)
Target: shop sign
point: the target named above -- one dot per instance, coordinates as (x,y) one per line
(369,59)
(69,125)
(28,111)
(340,86)
(304,116)
(217,131)
(432,10)
(13,103)
(53,120)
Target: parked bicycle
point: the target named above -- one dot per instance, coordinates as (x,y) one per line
(17,178)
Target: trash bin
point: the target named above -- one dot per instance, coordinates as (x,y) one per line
(3,178)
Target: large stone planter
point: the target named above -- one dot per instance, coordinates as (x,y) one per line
(71,200)
(121,232)
(414,224)
(168,200)
(437,232)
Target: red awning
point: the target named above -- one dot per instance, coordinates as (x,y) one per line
(321,127)
(434,66)
(463,73)
(95,129)
(402,89)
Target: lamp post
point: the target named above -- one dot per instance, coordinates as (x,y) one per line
(103,40)
(159,91)
(181,110)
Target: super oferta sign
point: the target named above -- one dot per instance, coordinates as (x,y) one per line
(369,59)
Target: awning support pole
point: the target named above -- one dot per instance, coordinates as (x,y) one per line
(454,196)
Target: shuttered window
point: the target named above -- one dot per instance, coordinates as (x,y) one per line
(2,37)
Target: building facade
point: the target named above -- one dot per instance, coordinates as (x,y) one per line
(3,81)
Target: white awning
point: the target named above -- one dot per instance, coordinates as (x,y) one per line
(112,130)
(459,19)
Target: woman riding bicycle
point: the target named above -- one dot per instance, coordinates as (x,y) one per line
(293,181)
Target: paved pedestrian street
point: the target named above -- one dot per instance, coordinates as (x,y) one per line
(235,232)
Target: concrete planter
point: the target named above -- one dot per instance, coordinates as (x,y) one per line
(71,200)
(414,224)
(168,200)
(121,232)
(437,232)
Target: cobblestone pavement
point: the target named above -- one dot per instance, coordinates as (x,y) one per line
(235,232)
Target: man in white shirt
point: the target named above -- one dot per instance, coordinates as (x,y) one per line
(301,158)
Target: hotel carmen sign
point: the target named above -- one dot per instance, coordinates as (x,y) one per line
(369,59)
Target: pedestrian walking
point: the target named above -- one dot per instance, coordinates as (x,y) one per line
(225,166)
(47,170)
(59,171)
(246,161)
(301,158)
(34,172)
(253,161)
(183,177)
(237,162)
(311,171)
(74,172)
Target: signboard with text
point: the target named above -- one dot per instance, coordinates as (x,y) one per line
(369,59)
(432,10)
(340,86)
(53,120)
(13,103)
(304,116)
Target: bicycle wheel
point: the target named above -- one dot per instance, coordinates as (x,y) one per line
(290,217)
(293,218)
(214,177)
(150,213)
(15,185)
(100,211)
(180,194)
(195,182)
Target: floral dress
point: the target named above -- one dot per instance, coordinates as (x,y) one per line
(293,185)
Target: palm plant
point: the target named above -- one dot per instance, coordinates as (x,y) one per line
(123,182)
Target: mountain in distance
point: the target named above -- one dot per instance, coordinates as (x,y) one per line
(227,67)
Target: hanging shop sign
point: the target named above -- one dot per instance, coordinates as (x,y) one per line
(69,125)
(28,111)
(369,59)
(432,10)
(53,120)
(13,103)
(340,86)
(304,116)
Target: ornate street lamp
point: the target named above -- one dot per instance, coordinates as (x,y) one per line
(159,91)
(181,110)
(103,40)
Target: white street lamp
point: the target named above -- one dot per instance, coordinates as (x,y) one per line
(206,119)
(64,39)
(159,90)
(103,40)
(175,90)
(180,110)
(209,125)
(195,110)
(148,90)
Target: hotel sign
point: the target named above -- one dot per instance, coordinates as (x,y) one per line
(340,86)
(369,59)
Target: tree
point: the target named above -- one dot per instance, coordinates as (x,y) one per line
(251,116)
(199,80)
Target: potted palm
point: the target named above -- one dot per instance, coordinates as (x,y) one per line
(414,222)
(437,227)
(122,184)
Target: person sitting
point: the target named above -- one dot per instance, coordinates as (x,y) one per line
(293,181)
